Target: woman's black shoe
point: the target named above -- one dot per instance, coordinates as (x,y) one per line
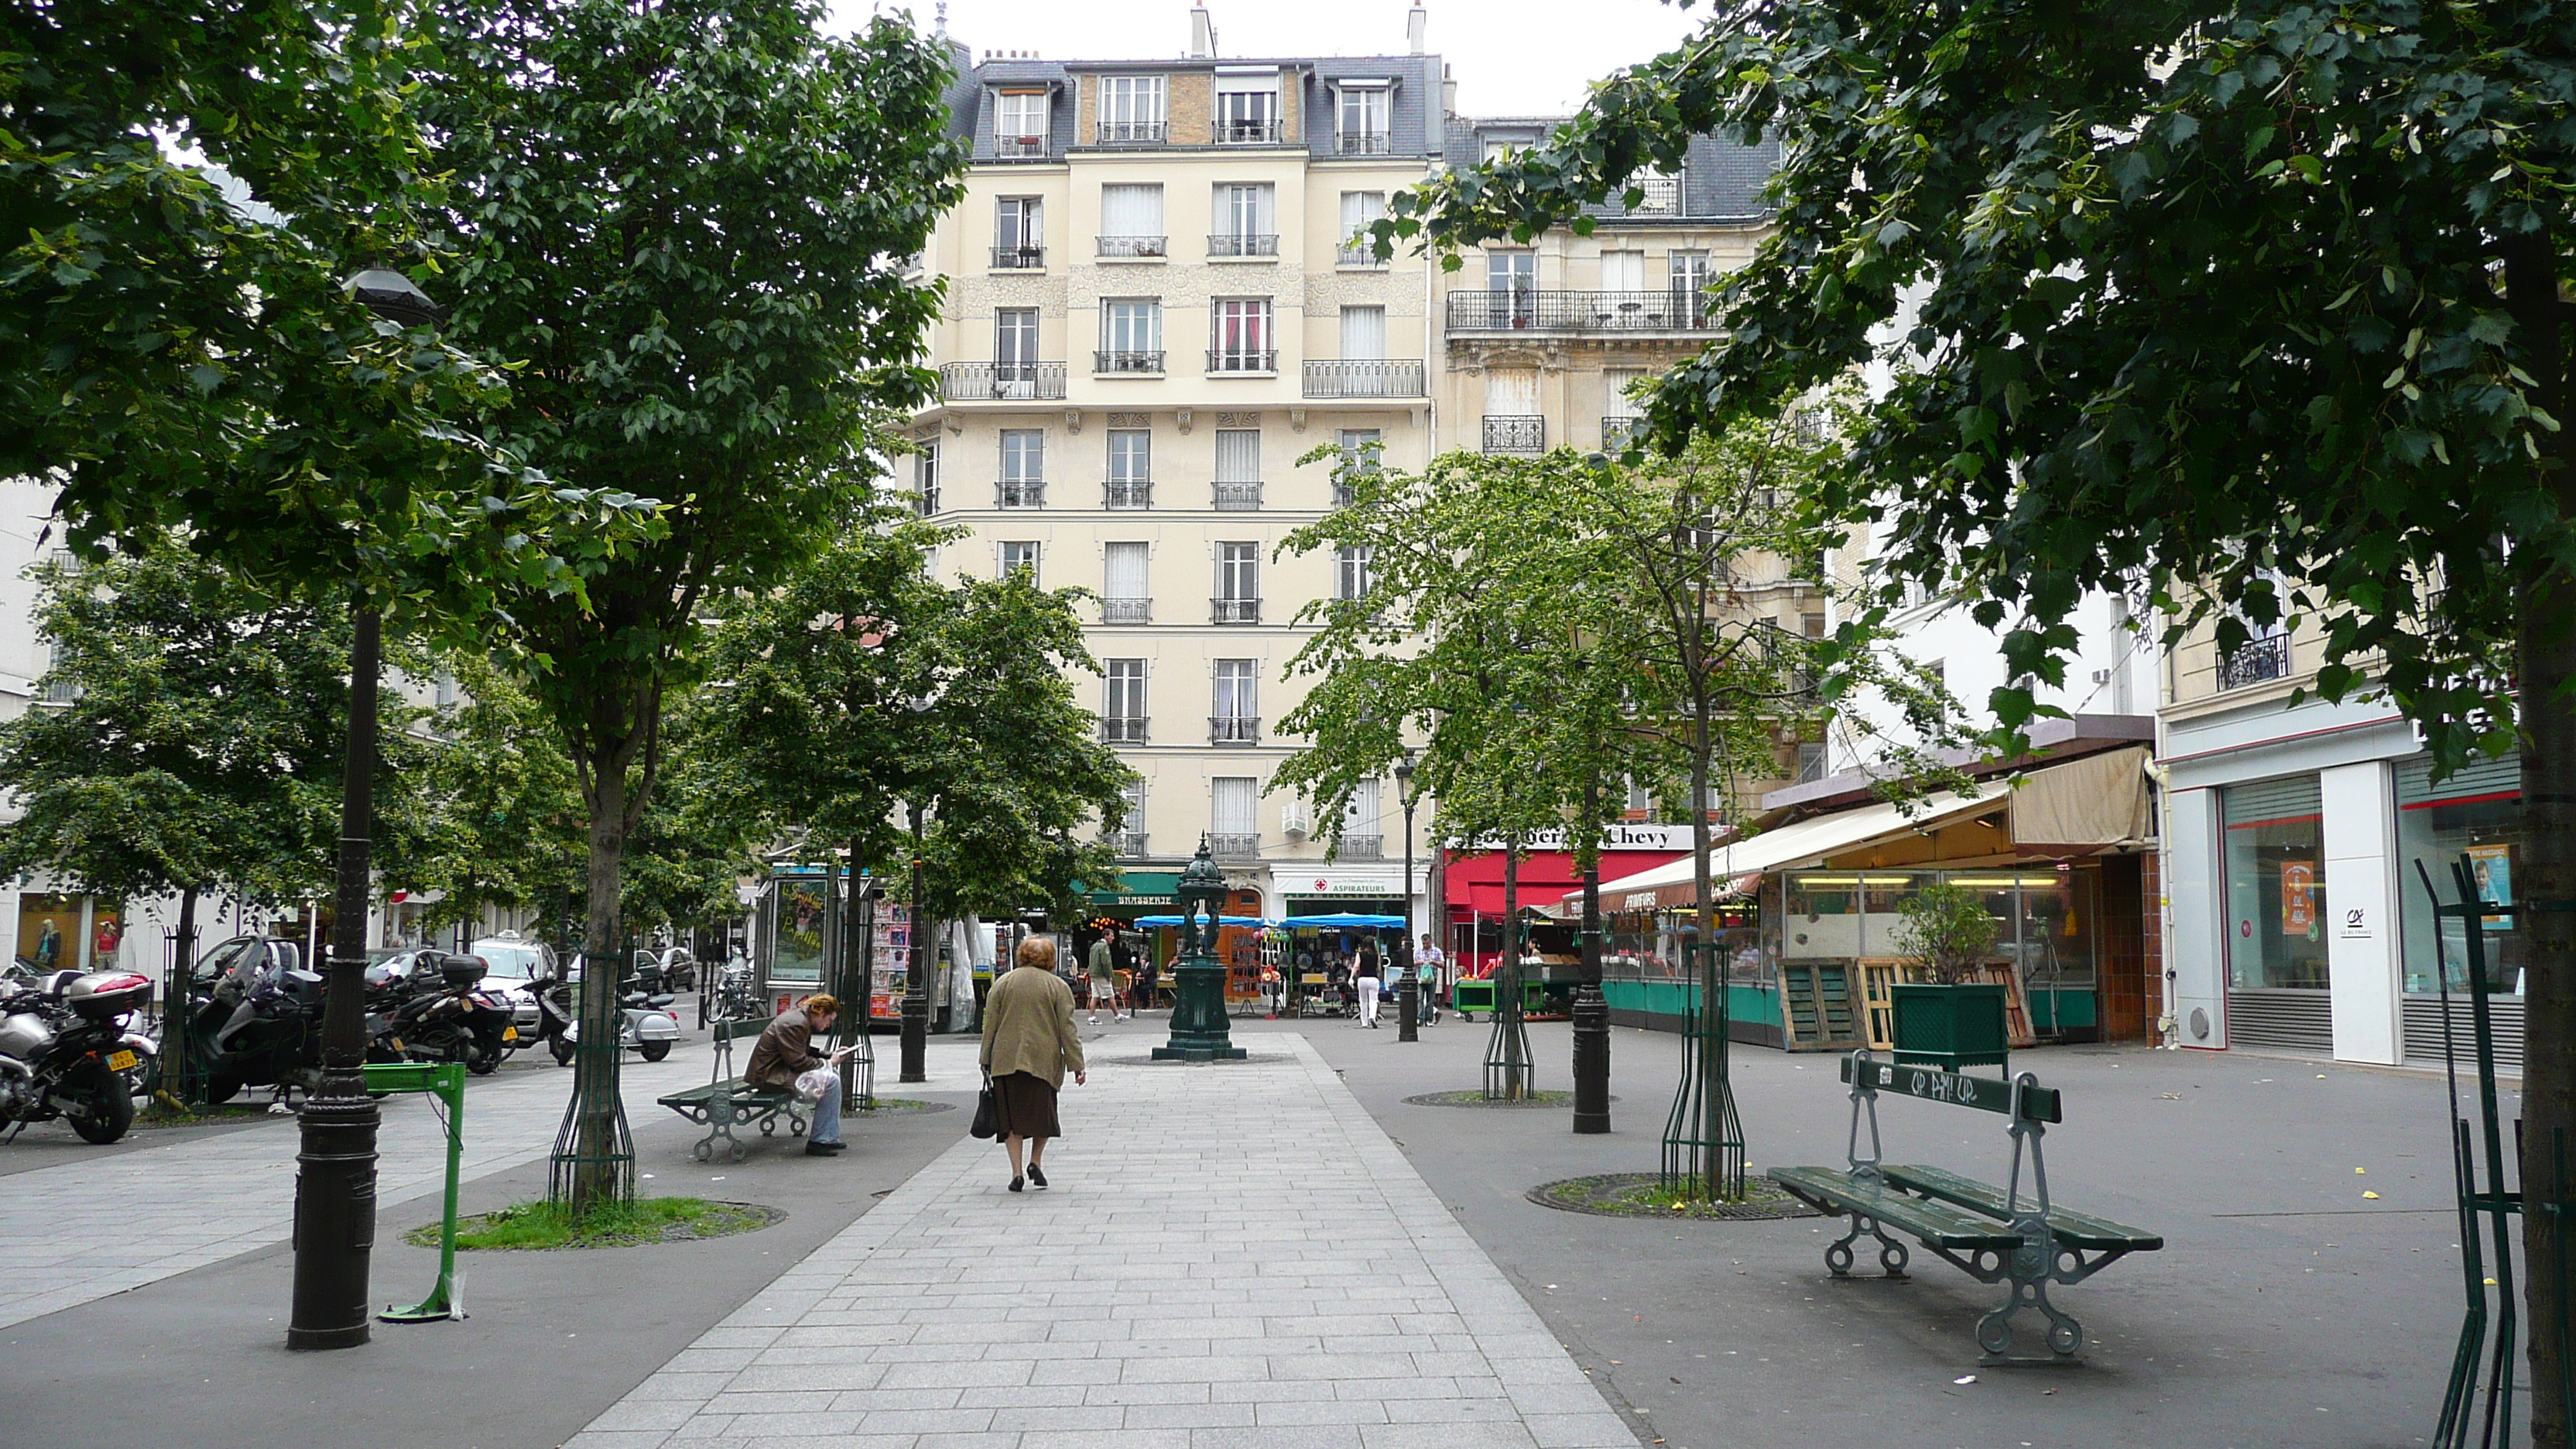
(1037,1179)
(1015,1184)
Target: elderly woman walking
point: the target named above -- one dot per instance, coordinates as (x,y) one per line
(1029,1043)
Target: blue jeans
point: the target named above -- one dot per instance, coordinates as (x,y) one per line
(827,1114)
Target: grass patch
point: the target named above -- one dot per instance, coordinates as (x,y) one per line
(1642,1195)
(542,1225)
(165,1110)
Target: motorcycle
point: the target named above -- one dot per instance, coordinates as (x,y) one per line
(260,1024)
(63,1053)
(450,1021)
(648,1026)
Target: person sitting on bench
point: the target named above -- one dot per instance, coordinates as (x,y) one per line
(785,1051)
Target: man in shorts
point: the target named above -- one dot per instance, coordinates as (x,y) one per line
(1104,980)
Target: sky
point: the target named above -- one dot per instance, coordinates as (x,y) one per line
(1511,57)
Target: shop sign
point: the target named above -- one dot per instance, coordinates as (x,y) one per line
(1325,886)
(1616,837)
(2355,925)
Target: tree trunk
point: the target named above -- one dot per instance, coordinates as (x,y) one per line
(2545,664)
(598,1176)
(181,1082)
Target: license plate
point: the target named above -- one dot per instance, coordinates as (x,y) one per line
(122,1061)
(509,1033)
(398,1046)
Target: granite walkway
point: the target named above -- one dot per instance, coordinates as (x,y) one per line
(1232,1257)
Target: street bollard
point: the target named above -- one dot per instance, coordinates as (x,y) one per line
(446,1082)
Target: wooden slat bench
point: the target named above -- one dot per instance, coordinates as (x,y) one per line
(727,1101)
(1993,1234)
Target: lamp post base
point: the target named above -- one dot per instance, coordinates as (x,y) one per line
(335,1216)
(1200,1054)
(1591,1060)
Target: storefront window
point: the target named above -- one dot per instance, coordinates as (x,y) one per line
(1824,917)
(2476,813)
(2274,857)
(1883,898)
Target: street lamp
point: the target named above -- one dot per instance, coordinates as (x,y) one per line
(1591,1011)
(335,1160)
(1408,985)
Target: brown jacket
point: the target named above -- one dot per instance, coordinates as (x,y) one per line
(782,1051)
(1028,1026)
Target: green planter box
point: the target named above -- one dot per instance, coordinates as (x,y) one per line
(1951,1027)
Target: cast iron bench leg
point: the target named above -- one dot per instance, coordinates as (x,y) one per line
(1892,1255)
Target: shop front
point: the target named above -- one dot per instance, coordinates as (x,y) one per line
(1473,884)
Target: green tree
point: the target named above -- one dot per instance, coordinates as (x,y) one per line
(2262,303)
(688,220)
(500,817)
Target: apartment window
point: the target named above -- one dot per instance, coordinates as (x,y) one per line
(1363,124)
(1687,277)
(1497,150)
(1233,820)
(1131,468)
(1641,799)
(1363,451)
(1238,468)
(925,478)
(1132,840)
(1353,571)
(1511,288)
(1238,583)
(1361,837)
(1020,559)
(1131,221)
(1123,721)
(1811,763)
(1019,232)
(1619,416)
(1247,107)
(1363,334)
(1242,340)
(1023,481)
(1131,335)
(1235,718)
(1015,352)
(1623,271)
(1124,595)
(1247,221)
(1131,109)
(1020,123)
(1663,194)
(1360,209)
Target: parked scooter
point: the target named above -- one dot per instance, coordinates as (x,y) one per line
(451,1021)
(648,1025)
(63,1053)
(260,1022)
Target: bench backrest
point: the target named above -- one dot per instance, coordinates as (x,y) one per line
(731,1031)
(1986,1094)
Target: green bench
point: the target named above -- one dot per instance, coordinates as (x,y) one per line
(727,1101)
(1993,1234)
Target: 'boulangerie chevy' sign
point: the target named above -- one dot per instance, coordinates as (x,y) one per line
(1618,837)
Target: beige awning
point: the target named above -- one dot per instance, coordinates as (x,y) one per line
(2082,805)
(1807,840)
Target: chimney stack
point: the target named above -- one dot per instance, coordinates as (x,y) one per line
(1448,90)
(1202,34)
(1416,25)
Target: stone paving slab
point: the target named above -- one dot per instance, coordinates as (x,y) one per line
(93,1227)
(1232,1257)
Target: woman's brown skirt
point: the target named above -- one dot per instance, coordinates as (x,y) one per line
(1026,1105)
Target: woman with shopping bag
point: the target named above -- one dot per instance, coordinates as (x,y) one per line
(1029,1044)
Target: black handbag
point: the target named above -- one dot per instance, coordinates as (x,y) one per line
(988,1114)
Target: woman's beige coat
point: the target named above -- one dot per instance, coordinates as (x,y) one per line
(1028,1026)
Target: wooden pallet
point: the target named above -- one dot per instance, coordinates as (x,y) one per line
(1817,1010)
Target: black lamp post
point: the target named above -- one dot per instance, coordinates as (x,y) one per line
(915,1014)
(1408,984)
(1591,1011)
(335,1162)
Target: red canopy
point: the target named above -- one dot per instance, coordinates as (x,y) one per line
(1475,883)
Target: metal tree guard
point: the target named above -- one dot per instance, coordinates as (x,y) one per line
(1703,1136)
(183,1081)
(603,1163)
(2461,1425)
(1507,1052)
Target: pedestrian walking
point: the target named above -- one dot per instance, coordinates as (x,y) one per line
(1104,980)
(785,1051)
(1029,1044)
(1371,973)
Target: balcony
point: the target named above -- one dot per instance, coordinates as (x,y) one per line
(1234,729)
(1244,244)
(1361,847)
(1234,611)
(1019,259)
(1238,497)
(1363,143)
(1122,730)
(1126,611)
(1131,248)
(1582,312)
(1515,434)
(925,501)
(1132,133)
(1363,377)
(1247,133)
(1225,843)
(1127,364)
(1241,362)
(1020,148)
(1020,493)
(1127,493)
(1131,845)
(1618,433)
(1357,254)
(1002,381)
(2260,659)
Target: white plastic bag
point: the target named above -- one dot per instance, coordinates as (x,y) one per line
(811,1085)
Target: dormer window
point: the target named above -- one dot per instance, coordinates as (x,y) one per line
(1020,123)
(1247,106)
(1131,110)
(1361,119)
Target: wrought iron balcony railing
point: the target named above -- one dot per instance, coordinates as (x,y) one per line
(1234,611)
(1127,493)
(1111,364)
(1243,244)
(1357,254)
(1238,497)
(1617,432)
(1363,377)
(1361,847)
(1126,611)
(2260,659)
(1363,143)
(1222,843)
(1122,729)
(1247,133)
(926,501)
(1242,360)
(1515,434)
(1131,246)
(1132,845)
(1019,148)
(1001,381)
(1234,729)
(1132,133)
(1535,311)
(1020,493)
(1019,259)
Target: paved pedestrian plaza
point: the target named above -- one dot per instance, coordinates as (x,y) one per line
(1232,1256)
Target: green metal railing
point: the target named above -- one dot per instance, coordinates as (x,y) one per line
(445,1083)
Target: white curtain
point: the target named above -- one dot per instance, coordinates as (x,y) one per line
(1361,819)
(1511,393)
(1363,333)
(1615,402)
(1623,271)
(1238,455)
(1233,803)
(1124,573)
(1131,211)
(1359,208)
(1247,210)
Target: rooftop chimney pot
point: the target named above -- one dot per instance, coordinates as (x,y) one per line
(1416,26)
(1202,34)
